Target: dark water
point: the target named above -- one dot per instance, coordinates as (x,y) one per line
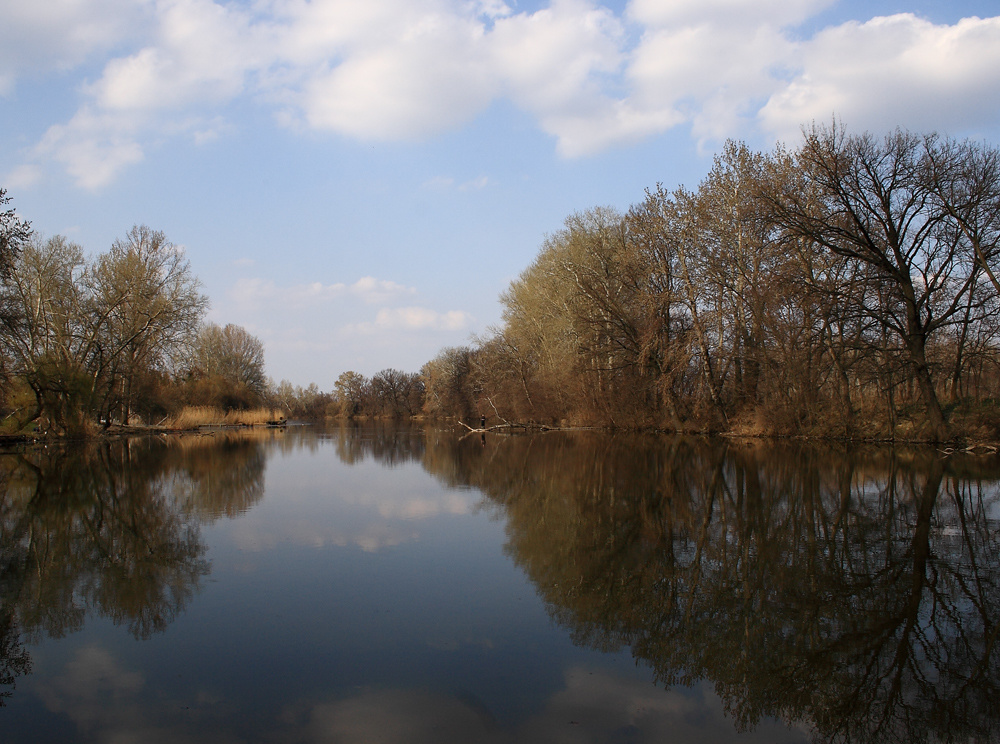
(391,585)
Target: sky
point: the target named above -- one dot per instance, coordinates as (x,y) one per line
(356,182)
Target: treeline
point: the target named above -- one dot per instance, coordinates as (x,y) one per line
(121,338)
(118,338)
(389,394)
(846,288)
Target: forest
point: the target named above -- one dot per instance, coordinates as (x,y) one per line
(846,289)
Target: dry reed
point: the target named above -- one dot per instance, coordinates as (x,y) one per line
(191,417)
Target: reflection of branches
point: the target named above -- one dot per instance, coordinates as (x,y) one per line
(14,659)
(388,443)
(858,592)
(94,528)
(220,477)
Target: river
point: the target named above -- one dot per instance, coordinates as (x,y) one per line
(408,584)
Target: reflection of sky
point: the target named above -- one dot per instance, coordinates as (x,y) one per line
(313,499)
(591,704)
(356,603)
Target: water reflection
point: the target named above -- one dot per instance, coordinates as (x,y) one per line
(388,443)
(858,592)
(853,595)
(111,529)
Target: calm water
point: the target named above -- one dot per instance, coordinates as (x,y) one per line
(396,585)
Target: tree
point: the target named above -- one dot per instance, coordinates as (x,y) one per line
(233,357)
(50,339)
(14,235)
(351,390)
(145,289)
(447,383)
(396,393)
(872,202)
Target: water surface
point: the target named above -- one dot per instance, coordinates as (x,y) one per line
(394,584)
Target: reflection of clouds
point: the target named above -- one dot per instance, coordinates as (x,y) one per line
(362,517)
(592,707)
(111,705)
(91,681)
(598,706)
(423,507)
(400,716)
(369,537)
(108,703)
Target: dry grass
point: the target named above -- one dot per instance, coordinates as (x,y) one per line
(191,417)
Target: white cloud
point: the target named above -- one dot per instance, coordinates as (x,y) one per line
(202,53)
(410,69)
(420,318)
(446,183)
(58,34)
(94,147)
(249,292)
(430,78)
(556,63)
(739,13)
(373,290)
(891,71)
(23,176)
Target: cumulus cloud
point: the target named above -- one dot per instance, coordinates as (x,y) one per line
(94,146)
(893,70)
(410,69)
(58,34)
(432,77)
(737,13)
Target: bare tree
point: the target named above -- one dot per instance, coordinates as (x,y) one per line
(231,353)
(145,289)
(873,204)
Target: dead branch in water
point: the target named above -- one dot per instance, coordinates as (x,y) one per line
(508,426)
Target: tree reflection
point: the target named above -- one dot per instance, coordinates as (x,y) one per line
(222,476)
(389,443)
(113,529)
(856,592)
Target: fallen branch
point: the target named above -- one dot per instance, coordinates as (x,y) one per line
(525,426)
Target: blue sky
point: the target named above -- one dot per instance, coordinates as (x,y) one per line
(356,181)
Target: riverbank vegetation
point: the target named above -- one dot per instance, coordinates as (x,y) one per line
(844,289)
(118,338)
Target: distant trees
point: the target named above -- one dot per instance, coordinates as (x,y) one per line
(388,394)
(831,289)
(226,368)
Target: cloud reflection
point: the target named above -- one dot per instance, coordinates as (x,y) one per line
(594,706)
(354,514)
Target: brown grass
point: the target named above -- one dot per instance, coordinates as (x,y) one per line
(191,417)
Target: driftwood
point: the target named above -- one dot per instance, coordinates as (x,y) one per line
(971,449)
(506,427)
